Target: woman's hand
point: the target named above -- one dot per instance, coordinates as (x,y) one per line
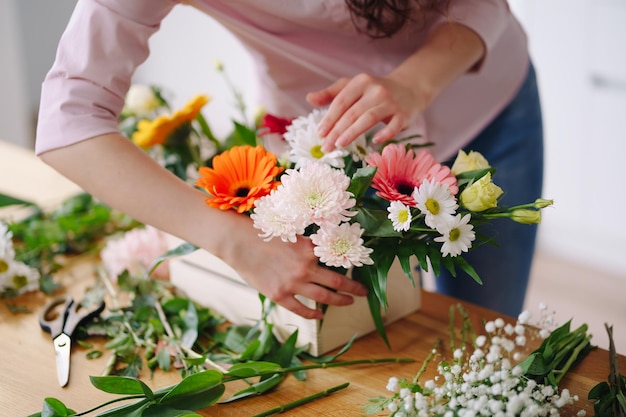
(280,270)
(357,104)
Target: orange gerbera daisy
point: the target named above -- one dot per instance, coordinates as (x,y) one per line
(239,177)
(156,132)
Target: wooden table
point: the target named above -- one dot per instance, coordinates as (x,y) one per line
(27,361)
(29,375)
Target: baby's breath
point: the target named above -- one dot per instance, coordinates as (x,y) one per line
(483,378)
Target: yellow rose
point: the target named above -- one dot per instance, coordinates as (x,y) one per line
(468,162)
(481,195)
(526,216)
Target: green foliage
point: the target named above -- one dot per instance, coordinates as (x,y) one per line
(610,396)
(558,353)
(77,226)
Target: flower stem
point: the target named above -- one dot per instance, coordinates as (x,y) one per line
(302,401)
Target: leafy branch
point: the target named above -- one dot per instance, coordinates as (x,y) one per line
(610,396)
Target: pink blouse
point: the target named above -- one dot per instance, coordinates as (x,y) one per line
(298,46)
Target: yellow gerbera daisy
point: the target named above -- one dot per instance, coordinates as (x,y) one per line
(156,132)
(239,177)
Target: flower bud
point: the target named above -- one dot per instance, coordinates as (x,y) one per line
(468,162)
(218,65)
(141,100)
(526,216)
(543,203)
(481,195)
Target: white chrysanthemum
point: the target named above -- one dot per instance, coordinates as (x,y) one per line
(400,216)
(436,202)
(456,236)
(275,219)
(341,246)
(306,144)
(359,148)
(24,278)
(318,194)
(6,242)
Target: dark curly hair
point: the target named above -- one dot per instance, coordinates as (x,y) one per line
(384,18)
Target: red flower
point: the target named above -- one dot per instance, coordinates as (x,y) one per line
(274,124)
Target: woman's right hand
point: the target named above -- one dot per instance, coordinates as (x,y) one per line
(282,270)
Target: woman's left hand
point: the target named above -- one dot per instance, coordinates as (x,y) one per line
(357,104)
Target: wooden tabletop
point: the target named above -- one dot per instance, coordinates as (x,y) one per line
(28,371)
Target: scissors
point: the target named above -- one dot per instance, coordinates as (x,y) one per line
(60,317)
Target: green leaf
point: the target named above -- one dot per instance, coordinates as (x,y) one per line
(366,275)
(160,410)
(6,200)
(190,335)
(181,250)
(135,409)
(360,181)
(121,385)
(331,358)
(259,388)
(375,223)
(404,254)
(163,359)
(196,391)
(467,268)
(598,391)
(55,408)
(249,369)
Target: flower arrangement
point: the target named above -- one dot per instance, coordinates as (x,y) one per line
(362,208)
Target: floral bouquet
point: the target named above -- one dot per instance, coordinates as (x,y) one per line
(363,208)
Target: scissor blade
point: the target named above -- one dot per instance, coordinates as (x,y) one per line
(62,344)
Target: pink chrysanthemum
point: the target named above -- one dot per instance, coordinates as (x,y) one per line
(135,252)
(341,246)
(318,194)
(400,171)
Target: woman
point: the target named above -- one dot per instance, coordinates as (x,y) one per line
(456,72)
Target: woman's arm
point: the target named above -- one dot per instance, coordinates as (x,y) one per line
(357,104)
(116,171)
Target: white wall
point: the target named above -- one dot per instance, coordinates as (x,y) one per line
(183,55)
(29,33)
(14,121)
(579,49)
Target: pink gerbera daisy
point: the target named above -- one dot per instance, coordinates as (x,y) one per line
(400,171)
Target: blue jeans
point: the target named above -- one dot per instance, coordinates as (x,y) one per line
(513,144)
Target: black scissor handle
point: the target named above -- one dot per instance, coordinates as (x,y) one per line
(52,317)
(77,314)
